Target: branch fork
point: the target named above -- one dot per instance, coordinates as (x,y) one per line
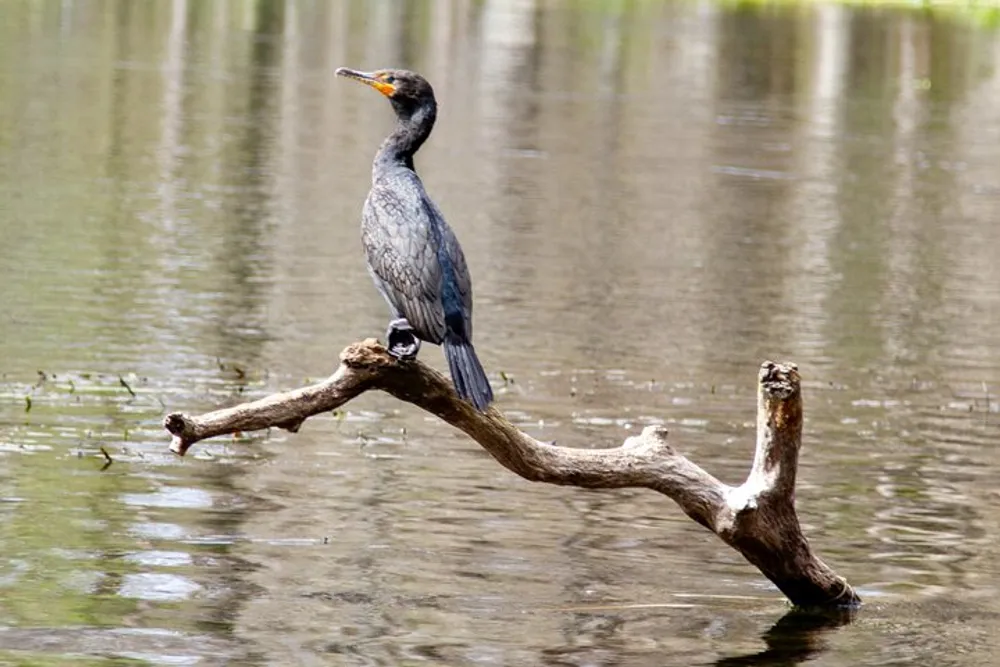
(757,518)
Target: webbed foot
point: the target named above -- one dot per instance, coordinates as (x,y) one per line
(401,341)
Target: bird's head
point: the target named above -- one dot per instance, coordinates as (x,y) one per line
(405,89)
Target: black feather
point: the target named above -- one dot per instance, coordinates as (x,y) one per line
(467,373)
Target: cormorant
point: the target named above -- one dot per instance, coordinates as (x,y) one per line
(413,255)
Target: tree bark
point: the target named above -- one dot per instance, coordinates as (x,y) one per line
(757,518)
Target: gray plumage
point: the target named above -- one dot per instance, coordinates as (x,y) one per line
(404,259)
(413,255)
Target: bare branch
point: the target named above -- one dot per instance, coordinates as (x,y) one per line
(757,518)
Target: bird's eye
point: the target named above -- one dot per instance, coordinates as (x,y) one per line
(388,78)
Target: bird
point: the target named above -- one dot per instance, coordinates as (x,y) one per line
(412,253)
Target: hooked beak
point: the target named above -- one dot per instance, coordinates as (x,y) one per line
(371,79)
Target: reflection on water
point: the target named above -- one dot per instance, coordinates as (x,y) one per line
(653,197)
(796,637)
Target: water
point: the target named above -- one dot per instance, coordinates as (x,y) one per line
(653,198)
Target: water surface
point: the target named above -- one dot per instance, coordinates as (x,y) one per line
(653,199)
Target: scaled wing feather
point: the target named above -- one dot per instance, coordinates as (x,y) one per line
(401,256)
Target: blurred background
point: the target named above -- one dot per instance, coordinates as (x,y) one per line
(653,197)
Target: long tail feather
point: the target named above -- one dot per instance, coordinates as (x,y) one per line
(467,373)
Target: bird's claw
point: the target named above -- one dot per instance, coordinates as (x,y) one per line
(401,341)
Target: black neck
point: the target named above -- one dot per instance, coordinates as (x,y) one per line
(413,126)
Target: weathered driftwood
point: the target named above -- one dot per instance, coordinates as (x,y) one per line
(757,518)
